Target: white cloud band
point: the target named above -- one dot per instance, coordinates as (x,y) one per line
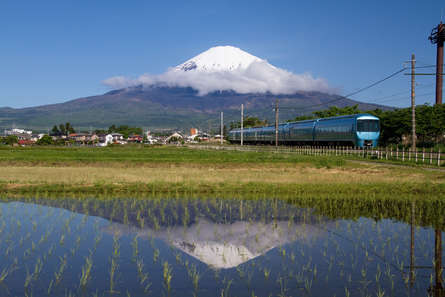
(259,77)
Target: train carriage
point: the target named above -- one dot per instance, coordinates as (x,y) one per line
(354,130)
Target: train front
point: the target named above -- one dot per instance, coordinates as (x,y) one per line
(368,131)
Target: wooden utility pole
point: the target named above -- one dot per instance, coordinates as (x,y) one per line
(222,126)
(276,123)
(413,102)
(242,122)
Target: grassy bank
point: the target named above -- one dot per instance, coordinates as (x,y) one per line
(172,171)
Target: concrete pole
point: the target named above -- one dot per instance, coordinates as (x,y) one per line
(222,126)
(413,102)
(276,123)
(242,123)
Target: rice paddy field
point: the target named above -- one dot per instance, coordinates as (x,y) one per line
(141,221)
(141,171)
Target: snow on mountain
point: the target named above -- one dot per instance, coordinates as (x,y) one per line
(219,58)
(227,68)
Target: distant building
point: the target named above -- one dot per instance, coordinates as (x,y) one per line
(105,140)
(174,138)
(117,137)
(135,138)
(193,131)
(16,131)
(25,142)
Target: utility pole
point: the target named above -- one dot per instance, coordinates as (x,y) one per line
(242,119)
(438,37)
(276,123)
(222,126)
(413,102)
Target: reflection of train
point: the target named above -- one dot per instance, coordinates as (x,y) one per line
(357,130)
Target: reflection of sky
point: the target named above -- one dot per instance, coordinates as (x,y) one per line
(299,258)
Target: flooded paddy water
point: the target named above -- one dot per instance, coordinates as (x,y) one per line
(220,247)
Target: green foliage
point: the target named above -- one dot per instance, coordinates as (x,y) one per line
(430,124)
(302,118)
(45,140)
(334,111)
(125,130)
(63,129)
(10,140)
(249,122)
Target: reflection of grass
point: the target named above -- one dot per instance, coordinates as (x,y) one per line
(224,189)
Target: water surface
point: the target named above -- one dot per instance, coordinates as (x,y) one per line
(217,247)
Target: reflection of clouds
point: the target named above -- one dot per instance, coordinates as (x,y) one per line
(227,245)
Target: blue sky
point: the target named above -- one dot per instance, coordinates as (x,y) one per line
(54,51)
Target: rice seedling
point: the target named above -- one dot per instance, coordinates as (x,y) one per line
(194,276)
(134,245)
(59,273)
(28,279)
(86,271)
(225,291)
(155,255)
(6,272)
(114,265)
(113,269)
(167,277)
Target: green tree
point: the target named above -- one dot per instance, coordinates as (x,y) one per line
(69,129)
(249,122)
(55,130)
(10,140)
(62,129)
(45,140)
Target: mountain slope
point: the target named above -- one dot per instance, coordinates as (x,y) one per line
(168,107)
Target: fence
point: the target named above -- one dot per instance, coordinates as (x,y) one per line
(424,156)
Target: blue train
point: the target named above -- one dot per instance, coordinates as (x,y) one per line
(360,130)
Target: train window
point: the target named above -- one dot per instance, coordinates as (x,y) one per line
(368,125)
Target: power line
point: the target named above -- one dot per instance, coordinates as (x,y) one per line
(376,83)
(350,94)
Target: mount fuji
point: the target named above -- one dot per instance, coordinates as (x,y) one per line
(191,94)
(219,58)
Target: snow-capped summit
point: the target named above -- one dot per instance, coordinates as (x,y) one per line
(222,68)
(219,58)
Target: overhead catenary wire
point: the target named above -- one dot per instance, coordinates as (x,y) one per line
(350,94)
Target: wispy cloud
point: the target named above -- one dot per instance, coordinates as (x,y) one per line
(259,77)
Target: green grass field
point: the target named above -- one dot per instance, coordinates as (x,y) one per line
(171,171)
(143,154)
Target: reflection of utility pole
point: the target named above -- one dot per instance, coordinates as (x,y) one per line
(276,123)
(438,288)
(411,265)
(242,120)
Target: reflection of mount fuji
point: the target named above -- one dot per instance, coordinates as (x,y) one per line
(222,233)
(227,245)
